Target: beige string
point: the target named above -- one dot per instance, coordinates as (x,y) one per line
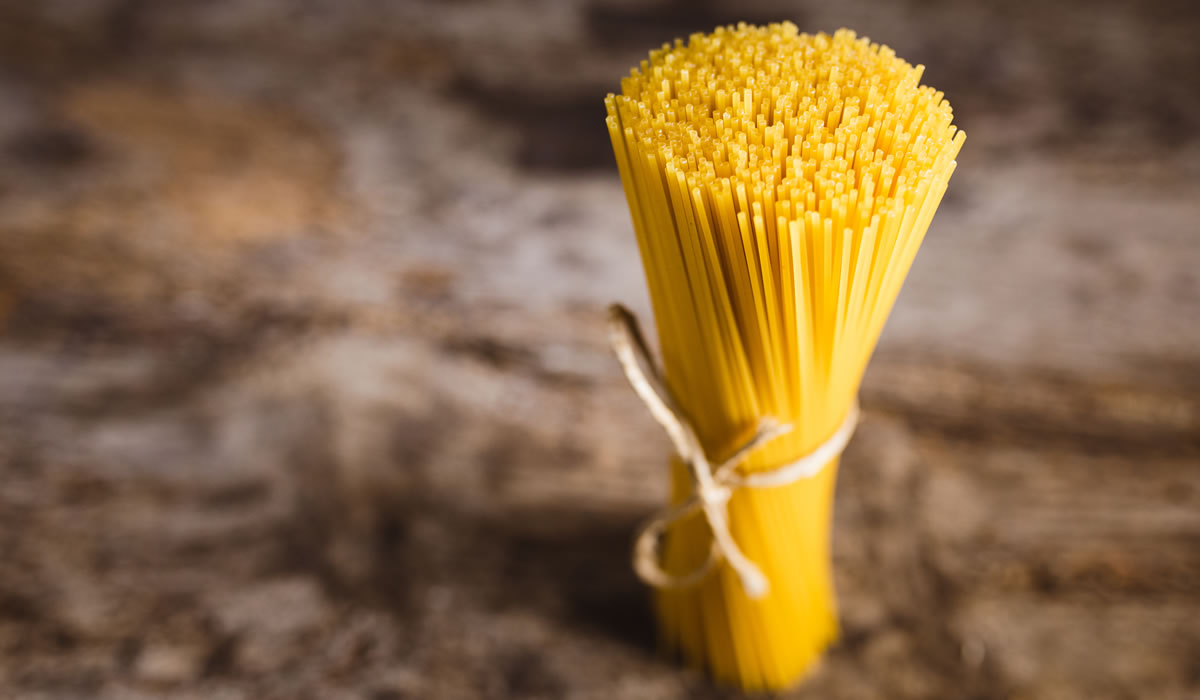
(714,488)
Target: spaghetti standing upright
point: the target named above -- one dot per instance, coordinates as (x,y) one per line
(780,184)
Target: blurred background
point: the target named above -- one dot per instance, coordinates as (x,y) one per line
(304,389)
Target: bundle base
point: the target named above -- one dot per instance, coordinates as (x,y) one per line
(771,643)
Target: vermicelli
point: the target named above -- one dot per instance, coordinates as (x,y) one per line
(780,184)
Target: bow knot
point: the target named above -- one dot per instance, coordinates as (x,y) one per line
(716,495)
(714,487)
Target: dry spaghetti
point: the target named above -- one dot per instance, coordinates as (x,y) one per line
(780,184)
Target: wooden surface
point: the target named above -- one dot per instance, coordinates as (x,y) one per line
(304,390)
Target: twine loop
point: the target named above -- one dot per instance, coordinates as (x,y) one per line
(713,487)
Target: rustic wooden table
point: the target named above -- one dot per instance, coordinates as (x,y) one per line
(304,389)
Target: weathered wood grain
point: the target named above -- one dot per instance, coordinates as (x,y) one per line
(304,389)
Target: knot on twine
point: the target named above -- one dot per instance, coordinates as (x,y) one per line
(713,487)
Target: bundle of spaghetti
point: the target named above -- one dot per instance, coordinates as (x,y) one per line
(780,184)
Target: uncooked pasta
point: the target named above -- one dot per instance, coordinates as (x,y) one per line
(780,184)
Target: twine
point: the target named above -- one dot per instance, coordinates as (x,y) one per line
(713,487)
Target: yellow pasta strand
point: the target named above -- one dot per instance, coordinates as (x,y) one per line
(780,184)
